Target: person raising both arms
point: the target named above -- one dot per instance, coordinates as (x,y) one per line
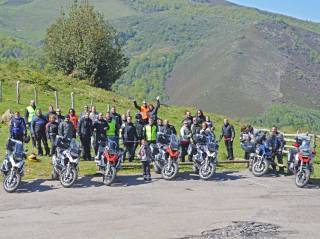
(143,109)
(153,111)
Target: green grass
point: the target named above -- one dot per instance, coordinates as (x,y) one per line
(50,81)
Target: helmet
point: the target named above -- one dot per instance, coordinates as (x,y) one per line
(32,157)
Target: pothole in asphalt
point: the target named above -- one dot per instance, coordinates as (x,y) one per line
(243,230)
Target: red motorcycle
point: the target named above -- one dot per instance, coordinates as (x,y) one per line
(109,160)
(171,167)
(301,161)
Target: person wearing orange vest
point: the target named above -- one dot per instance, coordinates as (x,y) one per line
(144,110)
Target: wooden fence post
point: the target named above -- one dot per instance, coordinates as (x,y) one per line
(35,92)
(0,90)
(56,99)
(72,100)
(91,102)
(108,108)
(18,92)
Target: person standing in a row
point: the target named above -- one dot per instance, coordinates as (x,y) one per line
(29,114)
(100,128)
(113,130)
(18,127)
(228,134)
(38,128)
(66,129)
(85,130)
(52,132)
(130,137)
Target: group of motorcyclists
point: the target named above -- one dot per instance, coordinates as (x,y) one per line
(92,127)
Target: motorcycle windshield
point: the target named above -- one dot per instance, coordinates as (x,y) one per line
(174,142)
(18,151)
(201,139)
(162,138)
(74,146)
(112,146)
(305,148)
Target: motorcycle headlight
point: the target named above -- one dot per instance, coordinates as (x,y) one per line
(212,154)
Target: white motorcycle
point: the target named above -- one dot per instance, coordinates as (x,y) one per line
(66,161)
(13,165)
(204,156)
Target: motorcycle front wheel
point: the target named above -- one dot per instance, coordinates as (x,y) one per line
(302,177)
(170,171)
(206,171)
(68,177)
(109,176)
(11,181)
(260,167)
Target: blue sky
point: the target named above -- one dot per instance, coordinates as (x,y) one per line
(303,9)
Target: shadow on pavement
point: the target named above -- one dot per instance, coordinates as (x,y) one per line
(314,183)
(131,180)
(87,182)
(220,176)
(35,186)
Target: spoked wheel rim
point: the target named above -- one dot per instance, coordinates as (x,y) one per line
(67,180)
(302,178)
(206,171)
(169,171)
(11,182)
(259,167)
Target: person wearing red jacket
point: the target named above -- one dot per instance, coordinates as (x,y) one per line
(74,121)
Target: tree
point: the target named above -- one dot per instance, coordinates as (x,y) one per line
(84,45)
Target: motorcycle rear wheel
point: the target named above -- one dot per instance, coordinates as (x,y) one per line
(68,180)
(10,185)
(109,176)
(302,177)
(260,168)
(168,173)
(206,171)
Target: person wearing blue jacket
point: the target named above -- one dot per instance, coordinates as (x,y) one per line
(18,127)
(38,126)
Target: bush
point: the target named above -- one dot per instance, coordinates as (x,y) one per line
(83,45)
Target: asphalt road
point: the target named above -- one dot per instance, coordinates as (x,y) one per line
(159,209)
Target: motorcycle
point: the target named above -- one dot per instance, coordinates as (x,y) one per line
(65,161)
(170,168)
(262,159)
(13,165)
(300,161)
(204,156)
(109,160)
(158,152)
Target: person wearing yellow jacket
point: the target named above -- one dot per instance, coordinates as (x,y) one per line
(30,113)
(150,132)
(113,130)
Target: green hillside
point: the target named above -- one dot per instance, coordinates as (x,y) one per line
(235,56)
(28,19)
(229,54)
